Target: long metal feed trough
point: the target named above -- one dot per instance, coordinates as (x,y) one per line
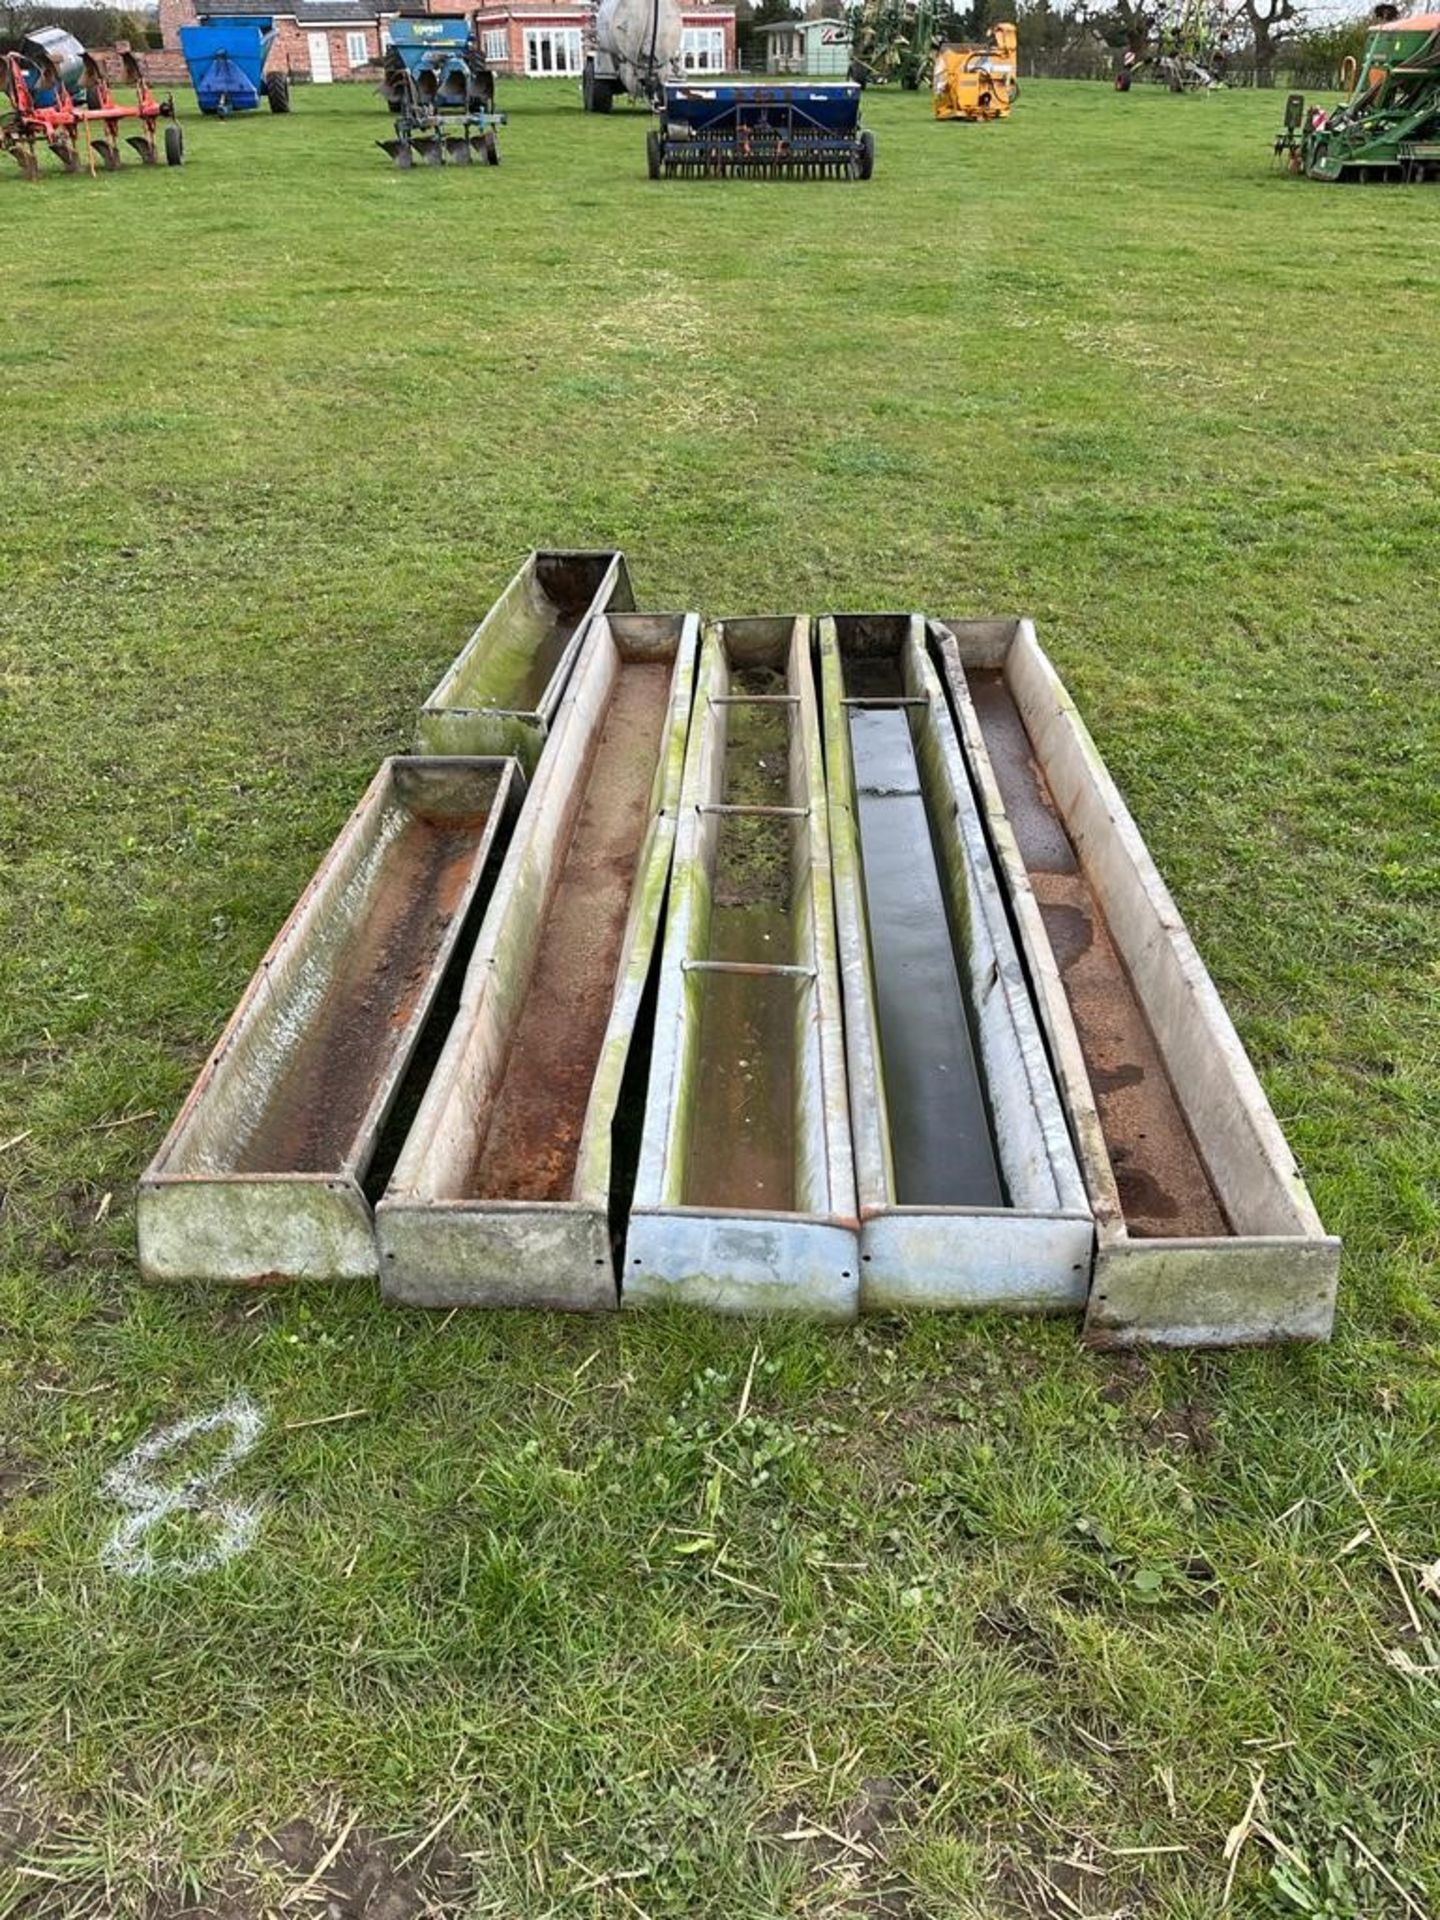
(264,1174)
(969,1190)
(502,1194)
(502,693)
(1206,1235)
(744,1198)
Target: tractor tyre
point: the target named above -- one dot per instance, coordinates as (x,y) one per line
(867,155)
(174,145)
(652,154)
(277,92)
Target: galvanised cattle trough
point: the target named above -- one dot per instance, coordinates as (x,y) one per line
(821,969)
(1206,1234)
(263,1176)
(502,694)
(502,1194)
(745,1197)
(969,1189)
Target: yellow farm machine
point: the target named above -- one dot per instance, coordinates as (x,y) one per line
(978,81)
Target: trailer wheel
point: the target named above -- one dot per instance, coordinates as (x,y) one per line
(277,92)
(652,154)
(867,154)
(174,145)
(597,95)
(492,149)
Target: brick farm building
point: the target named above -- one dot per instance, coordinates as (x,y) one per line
(328,40)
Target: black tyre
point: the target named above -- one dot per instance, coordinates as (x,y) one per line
(867,154)
(597,95)
(174,145)
(277,92)
(652,153)
(492,150)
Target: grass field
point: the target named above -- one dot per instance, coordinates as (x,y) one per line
(669,1617)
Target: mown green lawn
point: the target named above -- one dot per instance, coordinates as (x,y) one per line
(665,1616)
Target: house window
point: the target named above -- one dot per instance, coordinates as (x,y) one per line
(357,49)
(552,50)
(496,43)
(702,49)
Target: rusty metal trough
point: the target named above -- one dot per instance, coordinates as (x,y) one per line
(1206,1235)
(502,1195)
(744,1198)
(969,1190)
(502,693)
(264,1174)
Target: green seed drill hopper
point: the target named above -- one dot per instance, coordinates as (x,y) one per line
(1389,128)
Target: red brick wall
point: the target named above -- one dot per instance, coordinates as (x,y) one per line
(292,50)
(174,14)
(163,69)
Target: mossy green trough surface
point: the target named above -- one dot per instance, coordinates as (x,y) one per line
(660,1614)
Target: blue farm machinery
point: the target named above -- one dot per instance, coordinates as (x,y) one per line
(779,130)
(441,92)
(226,55)
(60,99)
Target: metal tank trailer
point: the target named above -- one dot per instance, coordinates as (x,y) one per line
(772,964)
(636,49)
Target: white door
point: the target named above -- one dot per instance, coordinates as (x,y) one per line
(320,59)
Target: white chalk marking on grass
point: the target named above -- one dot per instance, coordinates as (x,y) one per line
(126,1552)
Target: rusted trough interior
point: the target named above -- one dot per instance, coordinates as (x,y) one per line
(264,1174)
(501,1195)
(968,1185)
(502,693)
(744,1197)
(1205,1232)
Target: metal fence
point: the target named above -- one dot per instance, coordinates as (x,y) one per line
(1101,63)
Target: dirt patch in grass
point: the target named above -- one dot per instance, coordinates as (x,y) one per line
(848,1851)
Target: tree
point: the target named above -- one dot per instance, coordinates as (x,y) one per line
(1267,19)
(1128,23)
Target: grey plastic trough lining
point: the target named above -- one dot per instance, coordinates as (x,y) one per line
(969,1190)
(1206,1235)
(501,1195)
(502,693)
(263,1175)
(744,1198)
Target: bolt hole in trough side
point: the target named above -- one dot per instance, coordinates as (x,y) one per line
(1206,1234)
(502,1194)
(969,1190)
(503,691)
(264,1173)
(744,1194)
